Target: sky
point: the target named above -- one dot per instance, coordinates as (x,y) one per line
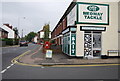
(32,15)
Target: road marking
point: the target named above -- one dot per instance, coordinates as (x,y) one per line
(85,65)
(93,65)
(3,71)
(12,64)
(16,62)
(8,67)
(16,58)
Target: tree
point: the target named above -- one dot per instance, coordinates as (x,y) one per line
(30,36)
(16,40)
(46,30)
(16,31)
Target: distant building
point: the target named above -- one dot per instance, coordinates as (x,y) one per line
(9,29)
(50,34)
(3,33)
(40,36)
(35,39)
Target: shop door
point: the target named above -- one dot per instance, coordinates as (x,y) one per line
(92,44)
(96,44)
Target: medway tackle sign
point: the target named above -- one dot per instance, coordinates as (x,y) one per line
(92,13)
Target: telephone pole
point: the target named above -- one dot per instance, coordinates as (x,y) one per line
(22,34)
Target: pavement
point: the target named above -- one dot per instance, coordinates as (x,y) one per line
(37,57)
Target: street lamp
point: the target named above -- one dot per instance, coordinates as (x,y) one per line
(19,25)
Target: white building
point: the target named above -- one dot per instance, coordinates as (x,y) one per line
(49,34)
(35,39)
(41,34)
(11,33)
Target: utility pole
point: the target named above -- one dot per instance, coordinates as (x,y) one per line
(20,24)
(22,34)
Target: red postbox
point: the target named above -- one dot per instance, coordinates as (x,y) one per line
(47,45)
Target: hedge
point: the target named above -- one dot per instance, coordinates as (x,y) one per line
(8,41)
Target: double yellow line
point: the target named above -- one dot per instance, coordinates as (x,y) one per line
(14,61)
(86,65)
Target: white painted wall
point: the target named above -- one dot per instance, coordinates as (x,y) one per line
(41,34)
(35,39)
(119,27)
(79,42)
(50,35)
(110,36)
(11,33)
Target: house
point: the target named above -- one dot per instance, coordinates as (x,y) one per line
(40,36)
(89,28)
(35,39)
(3,33)
(9,29)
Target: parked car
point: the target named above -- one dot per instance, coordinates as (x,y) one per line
(23,43)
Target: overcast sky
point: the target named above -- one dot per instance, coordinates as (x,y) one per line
(32,15)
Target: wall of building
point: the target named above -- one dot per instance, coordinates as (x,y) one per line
(11,33)
(41,34)
(110,36)
(58,30)
(35,39)
(4,35)
(119,27)
(79,42)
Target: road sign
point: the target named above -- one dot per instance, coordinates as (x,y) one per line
(48,53)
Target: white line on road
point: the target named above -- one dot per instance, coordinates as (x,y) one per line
(3,71)
(42,67)
(12,64)
(8,67)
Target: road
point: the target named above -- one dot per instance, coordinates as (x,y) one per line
(28,72)
(8,53)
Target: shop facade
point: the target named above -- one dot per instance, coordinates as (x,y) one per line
(91,29)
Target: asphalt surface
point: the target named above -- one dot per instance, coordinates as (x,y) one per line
(8,53)
(28,72)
